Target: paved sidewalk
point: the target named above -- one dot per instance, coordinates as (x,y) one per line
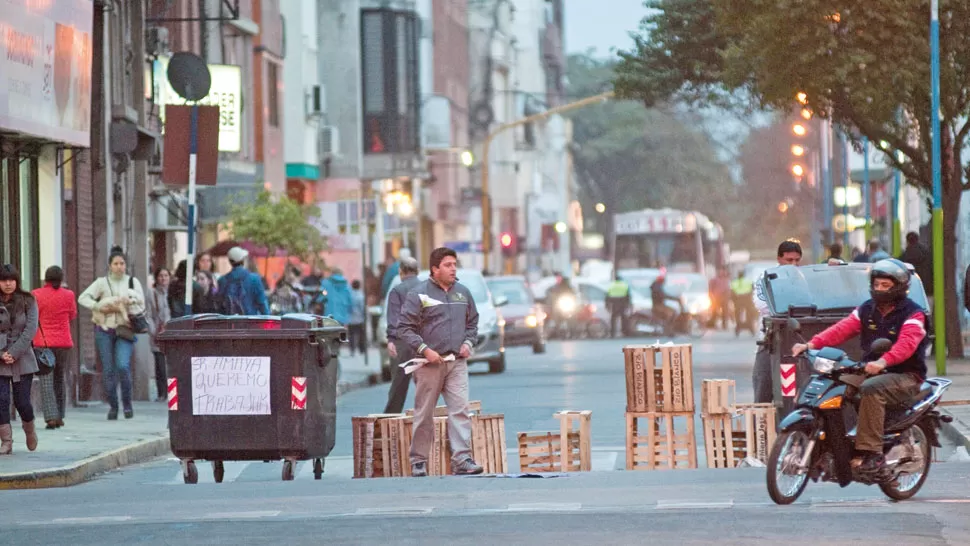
(89,444)
(958,371)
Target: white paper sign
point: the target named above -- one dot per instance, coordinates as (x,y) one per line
(230,385)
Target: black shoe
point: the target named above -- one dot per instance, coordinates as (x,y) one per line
(871,463)
(129,414)
(113,414)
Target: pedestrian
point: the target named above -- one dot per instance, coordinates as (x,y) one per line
(398,350)
(392,271)
(241,291)
(56,309)
(742,291)
(789,253)
(921,258)
(208,300)
(18,325)
(203,262)
(835,253)
(287,297)
(439,321)
(113,299)
(159,313)
(719,291)
(358,315)
(176,292)
(618,302)
(338,296)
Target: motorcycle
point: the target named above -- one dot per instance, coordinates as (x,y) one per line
(813,442)
(685,323)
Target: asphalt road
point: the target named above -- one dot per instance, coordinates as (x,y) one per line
(149,504)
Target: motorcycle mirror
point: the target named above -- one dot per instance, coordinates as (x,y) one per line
(880,346)
(794,325)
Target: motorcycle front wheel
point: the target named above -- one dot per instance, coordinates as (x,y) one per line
(785,479)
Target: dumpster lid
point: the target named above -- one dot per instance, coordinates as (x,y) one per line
(295,323)
(825,289)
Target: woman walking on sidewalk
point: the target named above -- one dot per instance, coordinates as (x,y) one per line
(57,308)
(113,299)
(18,324)
(158,314)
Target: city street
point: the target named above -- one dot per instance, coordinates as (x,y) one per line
(150,503)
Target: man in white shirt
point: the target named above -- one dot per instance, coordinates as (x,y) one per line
(789,253)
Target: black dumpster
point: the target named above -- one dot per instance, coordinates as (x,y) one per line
(818,296)
(251,388)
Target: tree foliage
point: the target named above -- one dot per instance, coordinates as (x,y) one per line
(277,224)
(864,65)
(630,157)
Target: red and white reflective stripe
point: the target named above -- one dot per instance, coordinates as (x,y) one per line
(788,380)
(916,322)
(298,393)
(173,394)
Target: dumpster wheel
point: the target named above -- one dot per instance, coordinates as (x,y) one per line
(189,472)
(287,470)
(218,471)
(317,469)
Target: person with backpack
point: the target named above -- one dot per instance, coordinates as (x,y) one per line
(339,300)
(240,290)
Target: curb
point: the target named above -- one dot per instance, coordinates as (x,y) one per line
(135,453)
(86,469)
(953,431)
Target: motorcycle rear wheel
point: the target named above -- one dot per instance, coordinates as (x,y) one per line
(906,485)
(789,447)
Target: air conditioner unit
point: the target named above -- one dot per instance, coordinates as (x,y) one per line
(168,212)
(156,41)
(328,142)
(316,101)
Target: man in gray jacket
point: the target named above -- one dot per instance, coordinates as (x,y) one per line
(399,351)
(439,320)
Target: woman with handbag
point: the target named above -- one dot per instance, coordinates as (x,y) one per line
(17,362)
(118,305)
(57,308)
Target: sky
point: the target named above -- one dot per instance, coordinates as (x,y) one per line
(590,25)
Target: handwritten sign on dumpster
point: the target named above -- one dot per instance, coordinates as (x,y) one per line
(230,385)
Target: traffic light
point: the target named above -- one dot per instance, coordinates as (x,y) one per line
(507,242)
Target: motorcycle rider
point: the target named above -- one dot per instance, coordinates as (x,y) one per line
(662,313)
(888,314)
(561,299)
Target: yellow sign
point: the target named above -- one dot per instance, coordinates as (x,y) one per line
(225,92)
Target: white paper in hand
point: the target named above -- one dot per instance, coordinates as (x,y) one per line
(416,363)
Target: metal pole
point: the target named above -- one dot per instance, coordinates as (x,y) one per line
(817,249)
(866,188)
(827,189)
(363,229)
(486,145)
(845,187)
(193,156)
(896,224)
(939,314)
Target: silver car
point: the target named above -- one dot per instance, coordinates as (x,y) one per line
(490,346)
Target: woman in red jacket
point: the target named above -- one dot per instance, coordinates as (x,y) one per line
(57,307)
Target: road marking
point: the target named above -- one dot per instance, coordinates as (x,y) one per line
(545,507)
(850,503)
(949,501)
(692,505)
(242,515)
(404,510)
(93,519)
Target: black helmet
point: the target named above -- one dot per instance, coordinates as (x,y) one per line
(895,271)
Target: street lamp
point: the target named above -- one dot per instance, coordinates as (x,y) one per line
(467,158)
(600,208)
(806,113)
(797,170)
(801,97)
(797,150)
(799,129)
(561,227)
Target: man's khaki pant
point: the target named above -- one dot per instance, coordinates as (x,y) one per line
(894,389)
(450,380)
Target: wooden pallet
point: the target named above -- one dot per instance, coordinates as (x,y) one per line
(396,435)
(488,443)
(717,396)
(669,442)
(474,406)
(565,451)
(369,444)
(749,431)
(659,378)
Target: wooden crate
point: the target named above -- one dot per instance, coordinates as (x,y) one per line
(669,441)
(749,431)
(369,444)
(397,434)
(488,443)
(659,378)
(565,451)
(717,396)
(474,407)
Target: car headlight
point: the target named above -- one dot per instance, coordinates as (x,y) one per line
(531,321)
(824,365)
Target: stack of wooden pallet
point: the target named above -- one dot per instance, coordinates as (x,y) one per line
(567,450)
(382,443)
(734,432)
(660,395)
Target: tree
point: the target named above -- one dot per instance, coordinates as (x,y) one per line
(864,65)
(629,157)
(277,224)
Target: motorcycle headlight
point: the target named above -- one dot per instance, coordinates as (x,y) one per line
(531,321)
(824,365)
(566,304)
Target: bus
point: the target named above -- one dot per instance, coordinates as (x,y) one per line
(681,241)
